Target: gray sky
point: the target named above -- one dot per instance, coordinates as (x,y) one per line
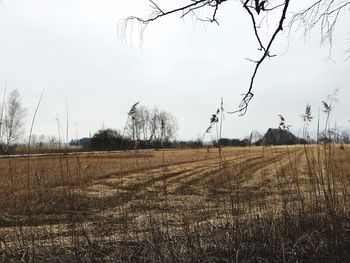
(73,51)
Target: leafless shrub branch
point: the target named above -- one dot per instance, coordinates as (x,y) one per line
(324,13)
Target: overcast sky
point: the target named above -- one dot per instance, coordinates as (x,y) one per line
(72,50)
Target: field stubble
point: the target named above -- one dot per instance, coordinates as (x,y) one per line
(252,204)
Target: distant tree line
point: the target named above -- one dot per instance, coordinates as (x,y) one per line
(112,140)
(145,129)
(224,142)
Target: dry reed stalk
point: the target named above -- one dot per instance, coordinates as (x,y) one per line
(29,141)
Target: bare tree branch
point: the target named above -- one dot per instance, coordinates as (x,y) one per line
(243,107)
(186,9)
(323,12)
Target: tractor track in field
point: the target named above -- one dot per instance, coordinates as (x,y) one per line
(149,176)
(196,184)
(176,178)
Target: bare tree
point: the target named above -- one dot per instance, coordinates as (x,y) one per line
(151,125)
(346,136)
(154,125)
(13,119)
(134,128)
(168,126)
(144,116)
(2,111)
(323,12)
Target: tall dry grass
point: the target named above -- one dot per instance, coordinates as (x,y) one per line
(279,204)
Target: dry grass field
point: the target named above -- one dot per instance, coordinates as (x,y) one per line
(253,204)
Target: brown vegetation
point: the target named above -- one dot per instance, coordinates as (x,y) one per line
(253,204)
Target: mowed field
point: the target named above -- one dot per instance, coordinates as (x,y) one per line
(176,205)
